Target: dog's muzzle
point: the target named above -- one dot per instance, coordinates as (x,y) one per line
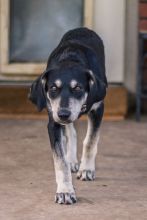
(64,114)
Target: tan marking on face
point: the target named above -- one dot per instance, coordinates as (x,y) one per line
(73,83)
(58,83)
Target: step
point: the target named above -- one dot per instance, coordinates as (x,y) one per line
(14,103)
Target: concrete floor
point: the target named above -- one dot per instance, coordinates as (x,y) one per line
(27,182)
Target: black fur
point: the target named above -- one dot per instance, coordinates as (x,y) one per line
(80,57)
(80,48)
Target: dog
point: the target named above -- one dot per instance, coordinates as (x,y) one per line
(74,83)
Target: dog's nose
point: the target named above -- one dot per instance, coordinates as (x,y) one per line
(63,114)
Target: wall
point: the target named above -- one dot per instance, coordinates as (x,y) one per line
(109,22)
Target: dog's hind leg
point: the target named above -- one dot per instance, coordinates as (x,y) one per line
(72,147)
(65,192)
(87,166)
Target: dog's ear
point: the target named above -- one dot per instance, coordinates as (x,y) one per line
(97,88)
(37,91)
(91,79)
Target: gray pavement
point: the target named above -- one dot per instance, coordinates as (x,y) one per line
(27,181)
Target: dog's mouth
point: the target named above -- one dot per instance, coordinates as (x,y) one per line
(64,122)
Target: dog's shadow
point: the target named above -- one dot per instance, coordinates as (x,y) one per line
(85,200)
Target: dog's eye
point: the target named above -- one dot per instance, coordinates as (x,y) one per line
(53,88)
(78,88)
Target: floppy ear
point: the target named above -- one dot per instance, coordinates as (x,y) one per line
(37,92)
(97,88)
(91,78)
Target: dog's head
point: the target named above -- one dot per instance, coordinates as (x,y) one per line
(66,91)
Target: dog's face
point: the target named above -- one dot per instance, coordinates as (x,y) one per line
(66,91)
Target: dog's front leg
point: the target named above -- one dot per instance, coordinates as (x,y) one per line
(72,147)
(65,192)
(87,166)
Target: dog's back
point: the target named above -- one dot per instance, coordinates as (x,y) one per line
(86,37)
(87,41)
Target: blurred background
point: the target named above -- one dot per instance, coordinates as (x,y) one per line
(31,29)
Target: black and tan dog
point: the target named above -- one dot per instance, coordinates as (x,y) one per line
(74,83)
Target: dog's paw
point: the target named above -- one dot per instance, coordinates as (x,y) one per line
(74,167)
(65,198)
(86,175)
